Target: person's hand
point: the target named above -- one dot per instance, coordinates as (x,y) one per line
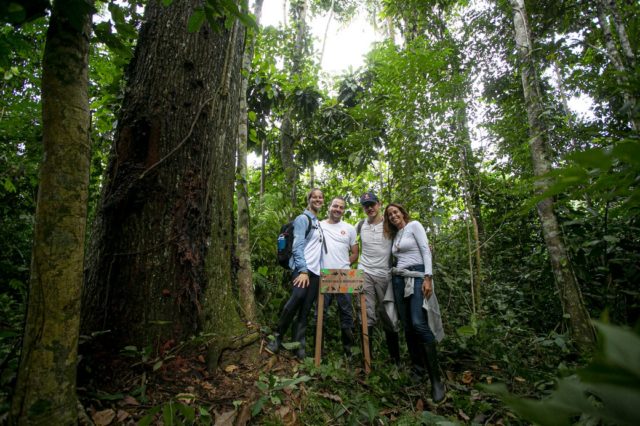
(427,287)
(302,280)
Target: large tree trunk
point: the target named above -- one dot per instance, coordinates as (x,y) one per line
(570,294)
(46,386)
(160,264)
(245,273)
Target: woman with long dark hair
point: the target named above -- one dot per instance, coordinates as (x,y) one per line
(412,280)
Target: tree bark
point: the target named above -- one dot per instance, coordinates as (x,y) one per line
(626,66)
(160,264)
(570,294)
(46,385)
(245,272)
(287,128)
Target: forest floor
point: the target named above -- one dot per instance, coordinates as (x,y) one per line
(251,386)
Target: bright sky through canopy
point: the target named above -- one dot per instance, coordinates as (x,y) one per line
(346,44)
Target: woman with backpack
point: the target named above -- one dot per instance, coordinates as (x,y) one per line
(305,264)
(412,281)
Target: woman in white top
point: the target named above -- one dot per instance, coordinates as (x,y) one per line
(412,285)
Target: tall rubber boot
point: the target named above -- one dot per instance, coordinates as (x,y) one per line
(437,387)
(370,334)
(273,347)
(393,345)
(300,337)
(347,341)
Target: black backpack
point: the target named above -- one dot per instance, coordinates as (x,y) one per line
(285,242)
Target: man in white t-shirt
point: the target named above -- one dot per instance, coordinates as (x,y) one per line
(341,252)
(375,262)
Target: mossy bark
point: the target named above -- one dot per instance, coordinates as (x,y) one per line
(46,386)
(162,244)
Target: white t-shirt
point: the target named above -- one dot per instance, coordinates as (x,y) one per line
(411,247)
(339,238)
(313,252)
(376,248)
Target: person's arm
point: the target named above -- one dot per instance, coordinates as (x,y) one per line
(300,225)
(423,244)
(354,250)
(353,257)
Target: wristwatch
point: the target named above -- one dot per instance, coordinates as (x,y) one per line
(428,276)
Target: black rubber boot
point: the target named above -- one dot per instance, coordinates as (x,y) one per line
(347,341)
(370,334)
(438,393)
(393,345)
(273,347)
(300,337)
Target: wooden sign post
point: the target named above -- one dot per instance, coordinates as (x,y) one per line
(336,281)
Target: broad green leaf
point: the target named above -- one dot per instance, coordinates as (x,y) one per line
(257,407)
(188,412)
(196,20)
(9,186)
(621,347)
(467,331)
(148,418)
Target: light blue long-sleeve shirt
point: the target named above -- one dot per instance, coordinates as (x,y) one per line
(298,262)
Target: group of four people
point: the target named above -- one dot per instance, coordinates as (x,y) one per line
(403,290)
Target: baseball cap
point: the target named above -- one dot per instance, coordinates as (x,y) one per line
(368,197)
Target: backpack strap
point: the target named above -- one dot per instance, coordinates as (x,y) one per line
(306,234)
(359,227)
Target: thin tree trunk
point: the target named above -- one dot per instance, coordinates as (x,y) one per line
(46,385)
(623,39)
(245,272)
(571,296)
(472,274)
(624,70)
(326,31)
(287,128)
(563,94)
(263,167)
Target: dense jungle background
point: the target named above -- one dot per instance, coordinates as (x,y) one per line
(151,150)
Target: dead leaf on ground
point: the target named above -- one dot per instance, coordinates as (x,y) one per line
(419,405)
(494,367)
(122,416)
(463,416)
(104,417)
(467,377)
(129,400)
(520,379)
(186,398)
(330,396)
(225,419)
(231,368)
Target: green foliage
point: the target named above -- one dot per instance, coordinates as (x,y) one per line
(607,390)
(178,412)
(274,390)
(20,153)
